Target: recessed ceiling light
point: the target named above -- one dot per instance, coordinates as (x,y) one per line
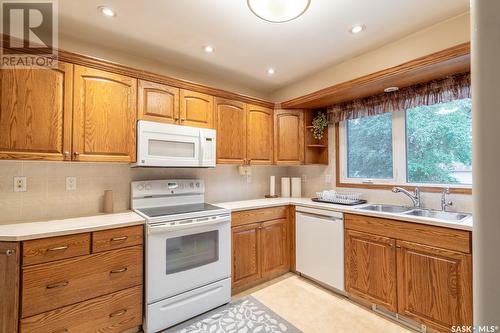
(106,11)
(209,49)
(271,71)
(278,11)
(391,89)
(357,28)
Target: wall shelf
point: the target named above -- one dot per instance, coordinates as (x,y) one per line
(316,151)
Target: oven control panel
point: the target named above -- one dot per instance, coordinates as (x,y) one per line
(149,188)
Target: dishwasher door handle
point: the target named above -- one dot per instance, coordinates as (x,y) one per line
(324,217)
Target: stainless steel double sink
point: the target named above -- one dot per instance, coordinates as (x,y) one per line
(428,213)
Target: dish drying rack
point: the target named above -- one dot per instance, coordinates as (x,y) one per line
(343,198)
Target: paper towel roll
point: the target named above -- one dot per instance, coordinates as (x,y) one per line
(285,187)
(296,187)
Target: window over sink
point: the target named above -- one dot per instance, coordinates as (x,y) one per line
(424,145)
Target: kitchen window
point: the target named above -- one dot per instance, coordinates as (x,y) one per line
(425,146)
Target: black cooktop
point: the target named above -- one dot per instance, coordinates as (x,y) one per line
(179,209)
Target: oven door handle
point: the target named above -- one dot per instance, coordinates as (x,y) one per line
(162,228)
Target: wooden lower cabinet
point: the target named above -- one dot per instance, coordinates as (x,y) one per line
(370,262)
(434,285)
(80,288)
(274,247)
(246,266)
(428,284)
(261,247)
(115,312)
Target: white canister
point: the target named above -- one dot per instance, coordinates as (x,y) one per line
(285,187)
(272,184)
(296,187)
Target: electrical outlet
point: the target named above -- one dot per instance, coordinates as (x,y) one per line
(70,183)
(249,179)
(304,178)
(20,184)
(328,178)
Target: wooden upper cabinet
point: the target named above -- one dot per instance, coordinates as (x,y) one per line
(35,113)
(259,135)
(105,109)
(275,253)
(246,267)
(196,109)
(231,131)
(370,268)
(288,137)
(158,102)
(434,285)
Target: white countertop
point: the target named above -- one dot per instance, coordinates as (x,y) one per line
(34,230)
(307,202)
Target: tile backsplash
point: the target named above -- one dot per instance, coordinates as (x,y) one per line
(47,198)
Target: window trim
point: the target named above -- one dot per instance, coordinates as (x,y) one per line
(399,149)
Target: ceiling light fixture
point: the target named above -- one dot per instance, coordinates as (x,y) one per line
(106,11)
(271,71)
(391,89)
(209,49)
(278,11)
(357,28)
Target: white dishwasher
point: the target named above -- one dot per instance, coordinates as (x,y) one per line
(320,245)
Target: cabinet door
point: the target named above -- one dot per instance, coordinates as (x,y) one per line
(370,268)
(10,262)
(245,254)
(289,137)
(105,111)
(259,135)
(158,102)
(434,285)
(197,109)
(231,131)
(275,252)
(35,113)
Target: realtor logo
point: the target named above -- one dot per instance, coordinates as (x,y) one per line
(29,31)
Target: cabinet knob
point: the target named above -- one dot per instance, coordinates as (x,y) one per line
(183,119)
(76,154)
(66,153)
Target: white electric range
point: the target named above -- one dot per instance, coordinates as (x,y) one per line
(188,251)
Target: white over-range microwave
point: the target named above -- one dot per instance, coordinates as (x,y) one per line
(165,145)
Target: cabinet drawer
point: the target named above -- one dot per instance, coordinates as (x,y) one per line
(55,248)
(53,285)
(111,313)
(117,238)
(258,215)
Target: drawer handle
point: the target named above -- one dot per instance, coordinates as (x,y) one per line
(118,313)
(58,285)
(119,239)
(118,271)
(58,248)
(62,331)
(8,252)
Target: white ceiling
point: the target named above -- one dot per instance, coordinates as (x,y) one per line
(175,31)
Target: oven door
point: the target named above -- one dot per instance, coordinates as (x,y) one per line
(167,145)
(183,259)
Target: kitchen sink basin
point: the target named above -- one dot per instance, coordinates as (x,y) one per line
(386,208)
(435,214)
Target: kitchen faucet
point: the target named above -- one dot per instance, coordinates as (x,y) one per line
(445,204)
(415,196)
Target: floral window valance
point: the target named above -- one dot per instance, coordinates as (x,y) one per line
(429,93)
